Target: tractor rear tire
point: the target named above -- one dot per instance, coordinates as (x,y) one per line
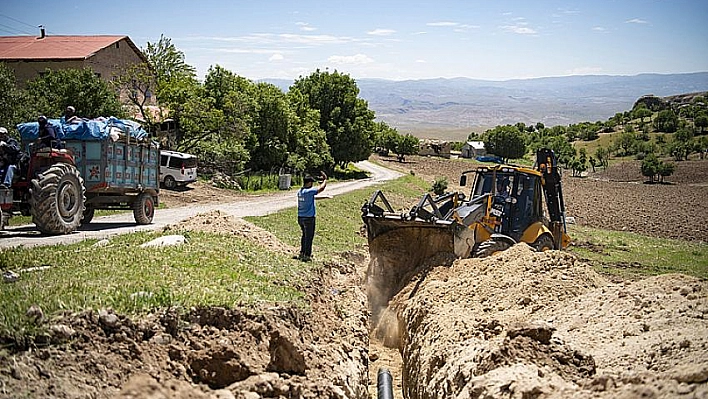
(88,214)
(144,209)
(543,243)
(57,199)
(490,247)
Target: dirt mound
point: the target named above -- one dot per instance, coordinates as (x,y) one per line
(319,352)
(527,324)
(220,223)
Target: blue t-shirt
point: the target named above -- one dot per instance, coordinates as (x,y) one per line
(306,202)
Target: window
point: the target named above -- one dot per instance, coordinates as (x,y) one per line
(163,160)
(117,44)
(176,162)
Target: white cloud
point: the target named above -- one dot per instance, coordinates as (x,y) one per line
(420,33)
(598,29)
(276,57)
(304,26)
(519,29)
(636,21)
(357,59)
(443,23)
(381,32)
(421,61)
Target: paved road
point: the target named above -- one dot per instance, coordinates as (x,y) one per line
(107,226)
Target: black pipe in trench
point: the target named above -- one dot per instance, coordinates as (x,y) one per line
(384,384)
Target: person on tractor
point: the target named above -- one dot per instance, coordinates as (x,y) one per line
(47,135)
(9,154)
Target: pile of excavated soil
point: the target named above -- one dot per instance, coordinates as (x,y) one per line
(522,324)
(220,223)
(209,353)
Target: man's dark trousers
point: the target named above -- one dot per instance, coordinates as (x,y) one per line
(307,225)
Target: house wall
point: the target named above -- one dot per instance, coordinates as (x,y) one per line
(107,63)
(28,70)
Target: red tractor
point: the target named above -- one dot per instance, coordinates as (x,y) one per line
(50,189)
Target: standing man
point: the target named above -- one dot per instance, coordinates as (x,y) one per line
(306,214)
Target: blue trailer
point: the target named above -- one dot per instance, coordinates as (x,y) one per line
(95,164)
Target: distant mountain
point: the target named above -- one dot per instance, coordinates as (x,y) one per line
(469,104)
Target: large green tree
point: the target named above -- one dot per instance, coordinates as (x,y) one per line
(505,141)
(666,121)
(13,105)
(346,118)
(170,69)
(92,97)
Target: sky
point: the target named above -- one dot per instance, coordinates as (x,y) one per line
(397,40)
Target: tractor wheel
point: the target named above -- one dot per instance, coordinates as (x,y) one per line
(170,182)
(144,209)
(4,219)
(490,247)
(543,243)
(88,215)
(57,200)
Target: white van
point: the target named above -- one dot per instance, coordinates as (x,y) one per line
(177,168)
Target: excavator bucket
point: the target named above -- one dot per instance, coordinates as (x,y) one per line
(402,246)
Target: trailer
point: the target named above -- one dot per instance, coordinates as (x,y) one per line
(104,163)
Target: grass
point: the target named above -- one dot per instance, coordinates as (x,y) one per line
(630,255)
(210,270)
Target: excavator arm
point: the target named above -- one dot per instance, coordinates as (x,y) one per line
(547,164)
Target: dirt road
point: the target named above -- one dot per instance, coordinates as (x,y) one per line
(107,226)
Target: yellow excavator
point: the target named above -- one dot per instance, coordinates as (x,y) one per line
(504,207)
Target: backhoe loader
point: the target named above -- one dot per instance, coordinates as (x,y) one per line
(504,207)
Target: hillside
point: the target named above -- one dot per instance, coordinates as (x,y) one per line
(460,105)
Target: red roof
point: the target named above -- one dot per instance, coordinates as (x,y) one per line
(55,47)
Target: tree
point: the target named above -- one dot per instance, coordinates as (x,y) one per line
(650,167)
(92,97)
(505,141)
(311,151)
(701,122)
(603,156)
(407,145)
(13,103)
(665,169)
(666,121)
(625,141)
(641,113)
(137,82)
(169,67)
(346,119)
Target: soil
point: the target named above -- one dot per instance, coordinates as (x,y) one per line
(518,324)
(199,192)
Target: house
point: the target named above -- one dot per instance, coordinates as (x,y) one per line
(473,149)
(106,56)
(436,148)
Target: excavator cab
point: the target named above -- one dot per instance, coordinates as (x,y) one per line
(515,199)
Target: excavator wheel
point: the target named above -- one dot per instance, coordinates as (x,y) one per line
(490,247)
(543,243)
